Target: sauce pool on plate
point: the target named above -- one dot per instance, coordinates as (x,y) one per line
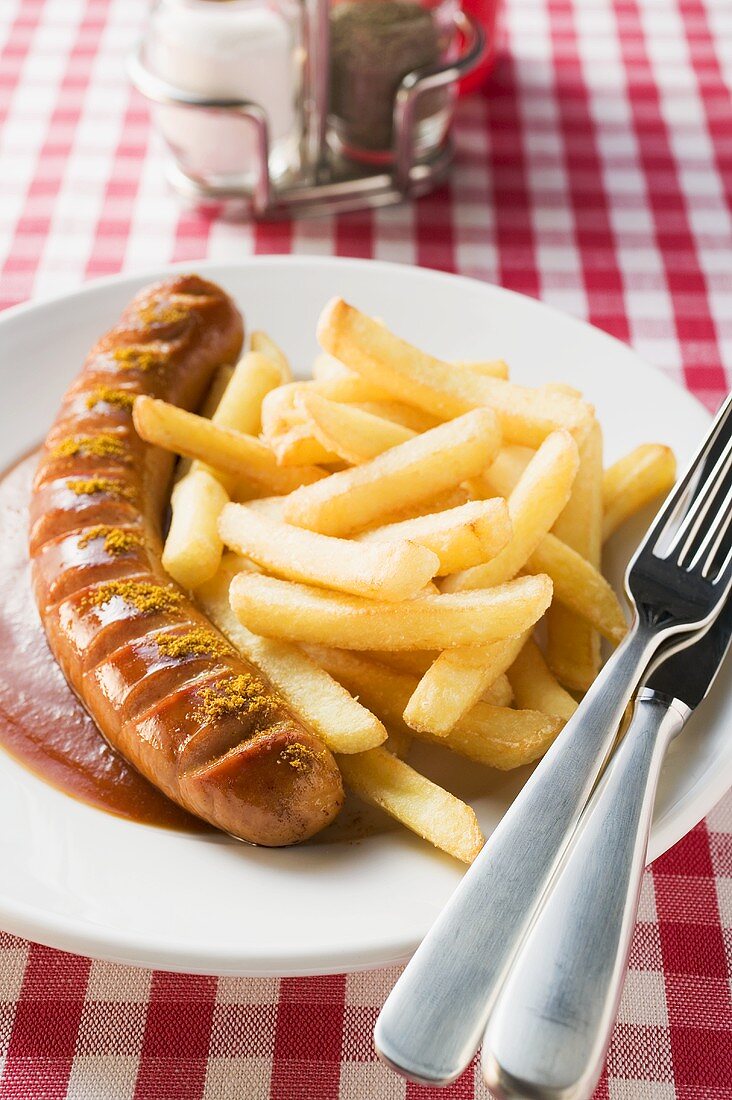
(42,724)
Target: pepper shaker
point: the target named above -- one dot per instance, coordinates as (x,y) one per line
(374,45)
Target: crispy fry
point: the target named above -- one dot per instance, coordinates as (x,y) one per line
(634,481)
(461,537)
(490,368)
(455,683)
(406,415)
(282,609)
(370,350)
(216,390)
(416,662)
(505,472)
(429,811)
(298,447)
(240,407)
(387,571)
(228,451)
(350,433)
(343,724)
(573,647)
(326,368)
(533,507)
(193,548)
(280,411)
(262,342)
(580,587)
(494,736)
(404,475)
(534,686)
(450,498)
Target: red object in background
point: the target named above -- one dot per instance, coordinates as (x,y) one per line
(486,12)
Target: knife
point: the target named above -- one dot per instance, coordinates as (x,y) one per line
(548,1034)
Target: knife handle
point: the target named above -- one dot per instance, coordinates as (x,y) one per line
(435,1017)
(548,1034)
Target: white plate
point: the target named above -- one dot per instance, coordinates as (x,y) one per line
(76,878)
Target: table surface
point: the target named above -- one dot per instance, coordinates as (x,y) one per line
(595,173)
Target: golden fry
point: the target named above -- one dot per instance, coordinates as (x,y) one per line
(263,343)
(342,723)
(534,685)
(381,778)
(580,587)
(533,507)
(231,452)
(282,609)
(634,481)
(386,571)
(461,537)
(414,471)
(526,416)
(573,646)
(350,433)
(494,736)
(456,681)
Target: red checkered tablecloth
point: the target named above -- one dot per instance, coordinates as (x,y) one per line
(596,173)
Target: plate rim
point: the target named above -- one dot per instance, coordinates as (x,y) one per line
(66,933)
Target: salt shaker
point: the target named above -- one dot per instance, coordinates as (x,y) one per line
(229,49)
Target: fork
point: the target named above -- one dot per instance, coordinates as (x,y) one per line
(432,1022)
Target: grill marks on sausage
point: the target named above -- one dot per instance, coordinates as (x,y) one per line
(188,710)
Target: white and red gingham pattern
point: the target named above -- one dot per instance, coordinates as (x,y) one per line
(596,173)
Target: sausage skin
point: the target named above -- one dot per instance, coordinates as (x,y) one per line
(164,687)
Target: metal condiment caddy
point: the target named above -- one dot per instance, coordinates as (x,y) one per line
(326,179)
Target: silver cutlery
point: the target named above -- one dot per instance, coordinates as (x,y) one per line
(564,988)
(678,580)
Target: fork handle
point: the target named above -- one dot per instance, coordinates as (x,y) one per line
(433,1021)
(563,992)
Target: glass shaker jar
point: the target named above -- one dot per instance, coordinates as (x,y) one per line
(228,49)
(374,44)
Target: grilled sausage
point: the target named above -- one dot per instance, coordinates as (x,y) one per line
(164,687)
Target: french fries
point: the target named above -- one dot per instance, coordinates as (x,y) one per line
(193,548)
(414,471)
(573,646)
(461,537)
(494,736)
(455,683)
(350,433)
(416,662)
(506,471)
(490,368)
(387,571)
(533,507)
(355,492)
(343,724)
(282,609)
(263,343)
(231,452)
(407,415)
(436,815)
(299,447)
(535,688)
(634,481)
(370,350)
(580,587)
(240,407)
